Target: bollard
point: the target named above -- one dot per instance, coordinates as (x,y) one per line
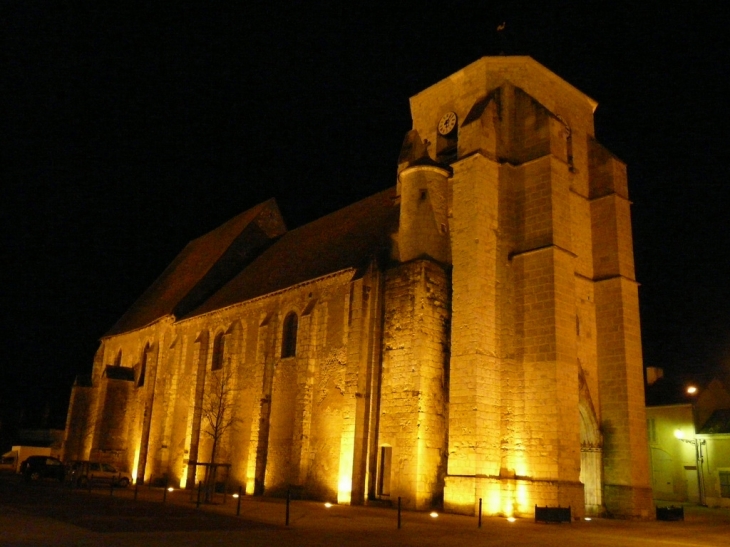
(238,507)
(111,488)
(480,512)
(88,483)
(398,512)
(164,492)
(136,487)
(288,500)
(197,503)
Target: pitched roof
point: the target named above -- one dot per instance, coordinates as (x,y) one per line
(204,265)
(347,238)
(719,422)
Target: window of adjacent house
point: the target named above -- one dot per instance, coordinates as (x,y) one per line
(386,454)
(725,484)
(218,349)
(651,430)
(289,336)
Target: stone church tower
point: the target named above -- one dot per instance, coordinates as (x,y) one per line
(472,333)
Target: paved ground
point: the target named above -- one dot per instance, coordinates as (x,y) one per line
(46,514)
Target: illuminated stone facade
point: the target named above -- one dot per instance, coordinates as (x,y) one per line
(472,333)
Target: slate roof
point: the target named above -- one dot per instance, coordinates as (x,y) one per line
(348,238)
(719,422)
(200,268)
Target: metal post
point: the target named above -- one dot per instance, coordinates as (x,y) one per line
(700,471)
(197,503)
(225,487)
(88,482)
(164,491)
(288,500)
(398,512)
(111,488)
(480,512)
(136,487)
(238,507)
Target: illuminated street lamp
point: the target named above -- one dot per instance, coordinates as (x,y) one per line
(699,460)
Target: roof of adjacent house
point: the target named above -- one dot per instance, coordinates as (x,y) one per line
(718,422)
(203,266)
(253,255)
(348,238)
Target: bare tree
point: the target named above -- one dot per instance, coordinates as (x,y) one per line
(218,415)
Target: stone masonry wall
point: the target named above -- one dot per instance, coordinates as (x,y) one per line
(413,413)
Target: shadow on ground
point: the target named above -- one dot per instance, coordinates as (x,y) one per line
(112,514)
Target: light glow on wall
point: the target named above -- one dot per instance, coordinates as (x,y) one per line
(522,497)
(344,490)
(347,451)
(250,484)
(494,503)
(136,467)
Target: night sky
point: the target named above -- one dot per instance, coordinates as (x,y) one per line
(128,131)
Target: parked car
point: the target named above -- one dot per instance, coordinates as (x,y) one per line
(83,473)
(39,467)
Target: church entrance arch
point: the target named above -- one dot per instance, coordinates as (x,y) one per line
(591,454)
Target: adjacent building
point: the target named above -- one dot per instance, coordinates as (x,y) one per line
(689,441)
(470,333)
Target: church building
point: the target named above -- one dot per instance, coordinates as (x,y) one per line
(471,333)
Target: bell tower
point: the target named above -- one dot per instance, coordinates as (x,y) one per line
(544,331)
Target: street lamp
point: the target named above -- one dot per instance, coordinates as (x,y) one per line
(699,460)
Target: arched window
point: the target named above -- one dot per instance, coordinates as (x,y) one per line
(118,360)
(289,336)
(219,344)
(142,368)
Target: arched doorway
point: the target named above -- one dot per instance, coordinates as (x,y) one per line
(591,453)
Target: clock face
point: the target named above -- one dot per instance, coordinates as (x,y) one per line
(447,123)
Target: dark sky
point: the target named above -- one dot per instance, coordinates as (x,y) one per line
(128,131)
